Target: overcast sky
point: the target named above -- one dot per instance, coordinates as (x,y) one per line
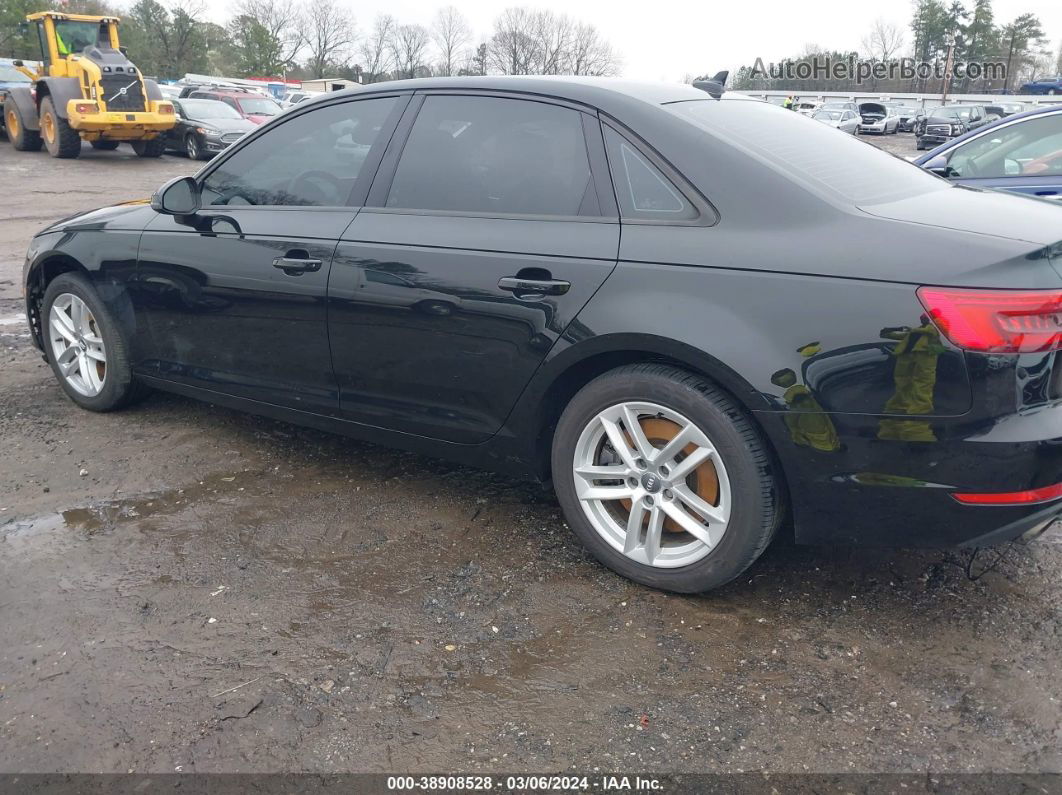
(665,40)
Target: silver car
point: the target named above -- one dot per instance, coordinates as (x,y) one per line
(845,120)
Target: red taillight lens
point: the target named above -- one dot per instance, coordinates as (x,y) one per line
(86,107)
(996,321)
(1044,494)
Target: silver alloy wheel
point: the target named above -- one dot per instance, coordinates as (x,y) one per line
(641,494)
(77,345)
(193,148)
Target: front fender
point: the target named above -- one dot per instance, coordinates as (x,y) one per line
(61,90)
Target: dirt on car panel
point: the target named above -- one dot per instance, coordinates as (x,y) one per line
(188,588)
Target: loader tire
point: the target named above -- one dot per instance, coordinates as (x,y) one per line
(60,139)
(153,148)
(22,139)
(105,146)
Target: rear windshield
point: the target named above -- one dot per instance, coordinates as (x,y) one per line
(851,170)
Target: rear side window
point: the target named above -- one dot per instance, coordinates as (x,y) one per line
(853,171)
(494,155)
(313,159)
(641,189)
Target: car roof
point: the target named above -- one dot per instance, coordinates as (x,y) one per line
(597,91)
(1047,109)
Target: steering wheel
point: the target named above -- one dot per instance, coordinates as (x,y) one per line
(317,185)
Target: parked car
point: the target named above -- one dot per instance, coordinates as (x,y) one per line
(906,115)
(1022,153)
(942,123)
(254,107)
(10,76)
(1043,85)
(808,106)
(205,127)
(293,98)
(876,117)
(723,364)
(1004,109)
(836,104)
(841,119)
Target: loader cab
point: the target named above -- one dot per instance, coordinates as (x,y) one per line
(62,35)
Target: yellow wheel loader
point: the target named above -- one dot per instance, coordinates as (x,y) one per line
(85,89)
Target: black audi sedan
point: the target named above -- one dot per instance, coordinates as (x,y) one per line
(684,310)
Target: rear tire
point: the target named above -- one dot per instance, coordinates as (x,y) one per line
(153,148)
(112,383)
(745,498)
(60,138)
(104,146)
(22,139)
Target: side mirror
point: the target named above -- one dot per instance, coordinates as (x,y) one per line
(938,165)
(177,197)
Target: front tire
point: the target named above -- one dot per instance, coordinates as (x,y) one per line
(665,479)
(60,139)
(194,148)
(85,347)
(153,148)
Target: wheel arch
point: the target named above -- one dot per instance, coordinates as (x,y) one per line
(61,90)
(40,275)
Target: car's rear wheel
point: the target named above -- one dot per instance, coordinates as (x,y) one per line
(664,478)
(85,347)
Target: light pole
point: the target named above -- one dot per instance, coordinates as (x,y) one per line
(945,84)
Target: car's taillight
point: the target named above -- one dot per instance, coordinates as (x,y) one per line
(1030,497)
(996,321)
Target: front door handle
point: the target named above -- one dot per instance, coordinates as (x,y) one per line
(293,266)
(515,284)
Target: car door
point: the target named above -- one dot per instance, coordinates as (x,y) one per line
(233,298)
(491,223)
(1024,156)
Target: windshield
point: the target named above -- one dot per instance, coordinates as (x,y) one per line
(9,74)
(71,37)
(842,165)
(950,112)
(828,115)
(259,106)
(208,109)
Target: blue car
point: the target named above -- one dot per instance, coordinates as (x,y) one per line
(1021,153)
(1043,85)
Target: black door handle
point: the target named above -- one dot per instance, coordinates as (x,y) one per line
(294,266)
(515,284)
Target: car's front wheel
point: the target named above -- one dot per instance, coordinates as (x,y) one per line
(85,347)
(664,478)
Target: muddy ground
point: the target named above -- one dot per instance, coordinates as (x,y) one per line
(188,588)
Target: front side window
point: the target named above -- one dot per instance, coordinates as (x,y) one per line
(311,160)
(493,155)
(1031,148)
(641,189)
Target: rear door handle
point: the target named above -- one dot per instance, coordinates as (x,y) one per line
(294,266)
(515,284)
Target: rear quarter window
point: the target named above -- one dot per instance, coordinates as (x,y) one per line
(813,153)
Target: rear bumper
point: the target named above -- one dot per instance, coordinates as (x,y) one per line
(890,481)
(118,125)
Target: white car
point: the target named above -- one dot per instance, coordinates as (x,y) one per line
(845,120)
(878,118)
(293,98)
(808,106)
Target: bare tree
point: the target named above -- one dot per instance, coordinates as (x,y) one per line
(375,49)
(451,33)
(408,46)
(590,54)
(884,41)
(511,49)
(329,31)
(553,35)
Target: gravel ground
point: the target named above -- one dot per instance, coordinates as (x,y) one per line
(188,588)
